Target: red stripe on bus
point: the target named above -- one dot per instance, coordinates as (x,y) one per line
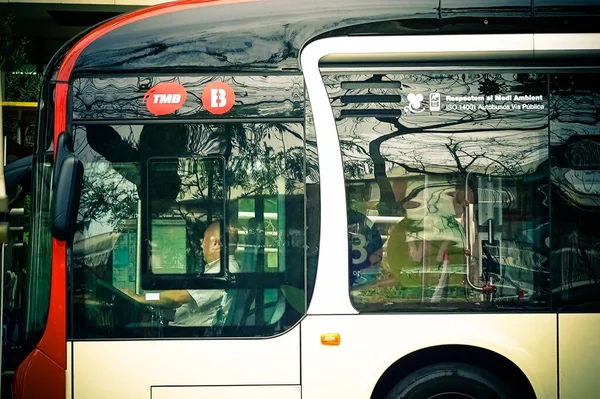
(47,379)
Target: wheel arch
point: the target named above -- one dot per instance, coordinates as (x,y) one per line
(484,358)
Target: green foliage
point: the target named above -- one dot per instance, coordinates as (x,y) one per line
(103,198)
(398,294)
(23,87)
(12,50)
(21,84)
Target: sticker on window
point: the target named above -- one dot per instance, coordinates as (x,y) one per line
(165,98)
(218,98)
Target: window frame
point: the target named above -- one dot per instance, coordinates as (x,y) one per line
(268,278)
(331,295)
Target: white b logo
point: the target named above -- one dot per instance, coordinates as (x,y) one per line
(218,98)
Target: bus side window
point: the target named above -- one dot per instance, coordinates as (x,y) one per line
(575,191)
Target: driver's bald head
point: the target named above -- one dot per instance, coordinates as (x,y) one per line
(213,230)
(211,244)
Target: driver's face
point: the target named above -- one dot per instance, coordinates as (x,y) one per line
(210,246)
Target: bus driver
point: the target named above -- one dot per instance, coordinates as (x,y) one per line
(199,307)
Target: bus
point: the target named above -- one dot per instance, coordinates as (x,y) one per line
(318,199)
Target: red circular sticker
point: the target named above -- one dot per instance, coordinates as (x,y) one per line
(218,98)
(165,98)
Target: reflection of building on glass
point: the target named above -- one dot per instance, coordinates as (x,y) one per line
(575,175)
(168,246)
(259,248)
(254,241)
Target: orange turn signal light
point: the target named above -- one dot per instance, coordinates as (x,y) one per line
(330,339)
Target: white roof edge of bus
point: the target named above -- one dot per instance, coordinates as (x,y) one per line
(575,41)
(331,294)
(427,48)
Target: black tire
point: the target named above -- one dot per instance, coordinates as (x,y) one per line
(455,380)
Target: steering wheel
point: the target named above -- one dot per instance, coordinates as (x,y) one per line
(115,291)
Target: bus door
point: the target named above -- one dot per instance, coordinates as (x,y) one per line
(187,273)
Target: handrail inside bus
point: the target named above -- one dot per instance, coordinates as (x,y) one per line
(20,104)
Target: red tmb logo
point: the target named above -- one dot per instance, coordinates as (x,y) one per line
(165,98)
(218,98)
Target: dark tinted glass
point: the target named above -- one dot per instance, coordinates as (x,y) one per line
(575,185)
(313,204)
(189,230)
(45,126)
(126,98)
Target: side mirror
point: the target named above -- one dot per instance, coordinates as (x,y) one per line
(67,180)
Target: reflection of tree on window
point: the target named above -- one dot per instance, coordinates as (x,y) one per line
(575,189)
(264,165)
(371,145)
(258,156)
(447,183)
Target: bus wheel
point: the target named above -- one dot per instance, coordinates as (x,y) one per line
(451,381)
